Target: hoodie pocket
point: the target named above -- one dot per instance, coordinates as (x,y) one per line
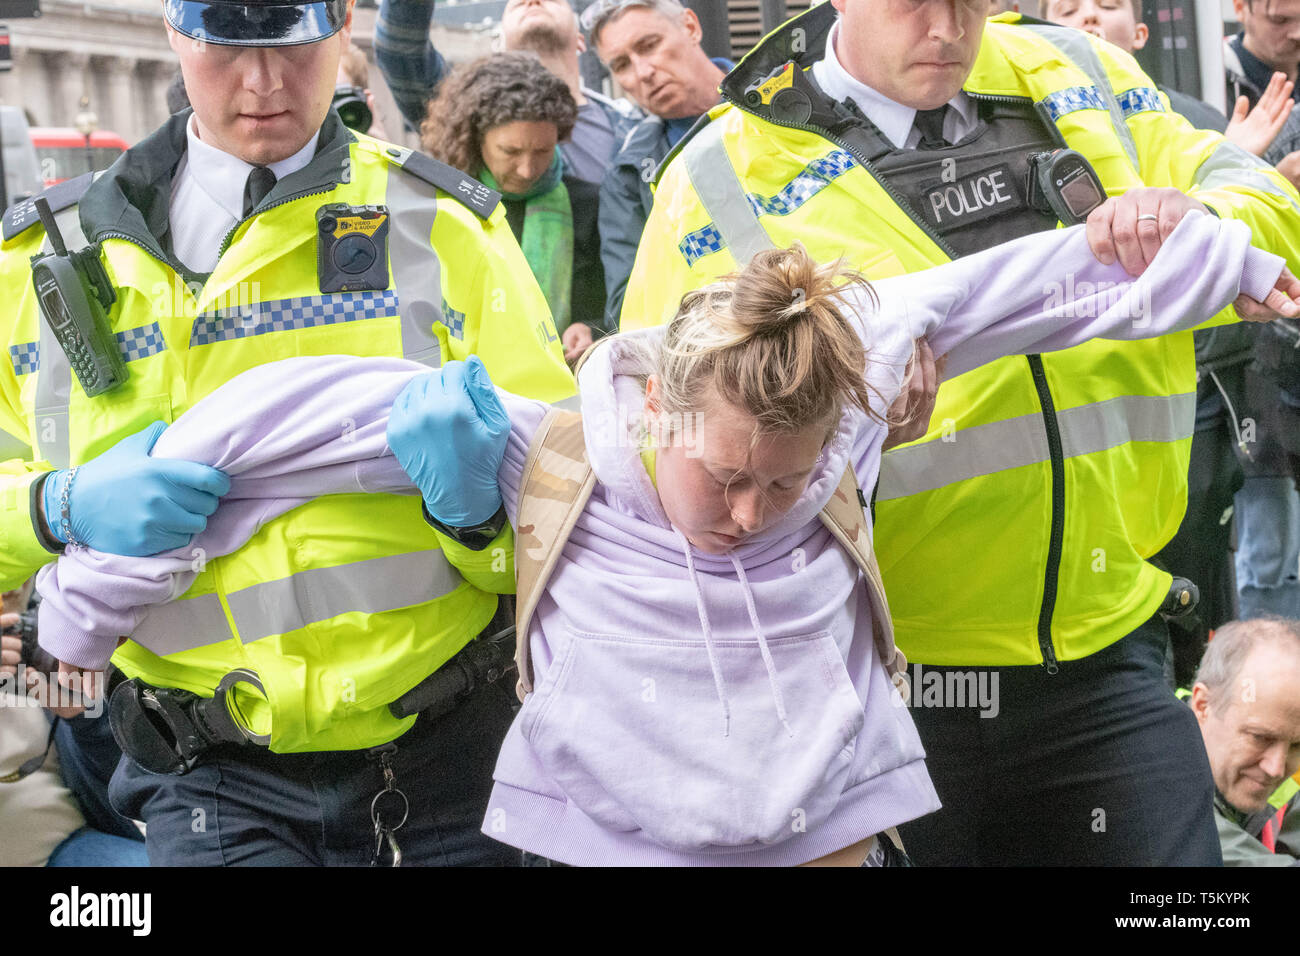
(639,735)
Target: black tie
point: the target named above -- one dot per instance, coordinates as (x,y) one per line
(930,125)
(260,181)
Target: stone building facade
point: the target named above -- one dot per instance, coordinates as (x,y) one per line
(115,53)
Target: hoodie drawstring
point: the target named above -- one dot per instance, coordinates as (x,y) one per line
(718,682)
(762,644)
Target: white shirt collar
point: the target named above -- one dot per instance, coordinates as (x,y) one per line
(222,176)
(893,119)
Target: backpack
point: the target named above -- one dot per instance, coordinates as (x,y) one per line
(556,483)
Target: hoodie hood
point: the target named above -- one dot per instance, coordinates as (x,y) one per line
(611,385)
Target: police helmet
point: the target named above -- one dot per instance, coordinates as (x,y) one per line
(256,22)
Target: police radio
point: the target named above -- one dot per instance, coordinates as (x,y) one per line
(1063,183)
(74,295)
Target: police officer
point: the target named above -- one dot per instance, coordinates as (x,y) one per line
(1013,535)
(254,228)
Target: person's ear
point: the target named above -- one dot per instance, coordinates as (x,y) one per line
(653,414)
(345,31)
(1201,702)
(691,24)
(1140,36)
(652,397)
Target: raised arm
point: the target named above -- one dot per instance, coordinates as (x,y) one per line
(406,57)
(1047,292)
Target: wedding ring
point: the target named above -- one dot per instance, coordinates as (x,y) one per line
(1150,216)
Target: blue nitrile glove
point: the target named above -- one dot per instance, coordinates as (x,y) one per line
(125,502)
(448,429)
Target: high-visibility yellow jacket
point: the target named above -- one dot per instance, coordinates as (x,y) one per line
(1015,531)
(345,603)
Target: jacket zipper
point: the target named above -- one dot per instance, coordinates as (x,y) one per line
(225,242)
(179,269)
(1050,423)
(1053,428)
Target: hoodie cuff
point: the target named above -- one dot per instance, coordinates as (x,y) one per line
(1260,273)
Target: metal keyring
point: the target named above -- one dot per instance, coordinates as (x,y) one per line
(374,808)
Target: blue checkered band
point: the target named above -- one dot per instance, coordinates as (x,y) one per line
(133,344)
(455,321)
(700,243)
(26,357)
(283,315)
(811,180)
(140,343)
(1140,99)
(1075,98)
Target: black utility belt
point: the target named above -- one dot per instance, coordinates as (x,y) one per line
(166,730)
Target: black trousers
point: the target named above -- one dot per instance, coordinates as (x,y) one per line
(1096,765)
(248,806)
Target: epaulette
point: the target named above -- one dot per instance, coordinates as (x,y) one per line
(60,196)
(471,193)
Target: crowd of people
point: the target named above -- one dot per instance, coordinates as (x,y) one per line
(846,489)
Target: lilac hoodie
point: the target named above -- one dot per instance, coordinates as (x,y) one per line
(689,708)
(693,709)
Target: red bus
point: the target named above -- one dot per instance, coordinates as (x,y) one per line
(63,154)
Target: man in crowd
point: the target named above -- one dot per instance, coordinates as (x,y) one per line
(1247,701)
(413,68)
(1268,43)
(653,50)
(214,232)
(1013,536)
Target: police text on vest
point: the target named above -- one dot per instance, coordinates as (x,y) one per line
(972,198)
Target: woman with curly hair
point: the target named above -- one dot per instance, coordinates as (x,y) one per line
(500,118)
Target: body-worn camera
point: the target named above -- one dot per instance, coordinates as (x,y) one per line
(352,248)
(1064,183)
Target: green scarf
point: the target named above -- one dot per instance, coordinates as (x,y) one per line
(548,236)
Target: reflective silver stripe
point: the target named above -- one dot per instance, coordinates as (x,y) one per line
(969,453)
(417,278)
(380,584)
(1075,45)
(11,446)
(54,380)
(1015,442)
(1230,165)
(723,196)
(1109,424)
(183,625)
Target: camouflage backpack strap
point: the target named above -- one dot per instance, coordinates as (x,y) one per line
(843,517)
(556,483)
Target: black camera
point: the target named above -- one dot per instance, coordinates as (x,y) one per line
(353,109)
(32,654)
